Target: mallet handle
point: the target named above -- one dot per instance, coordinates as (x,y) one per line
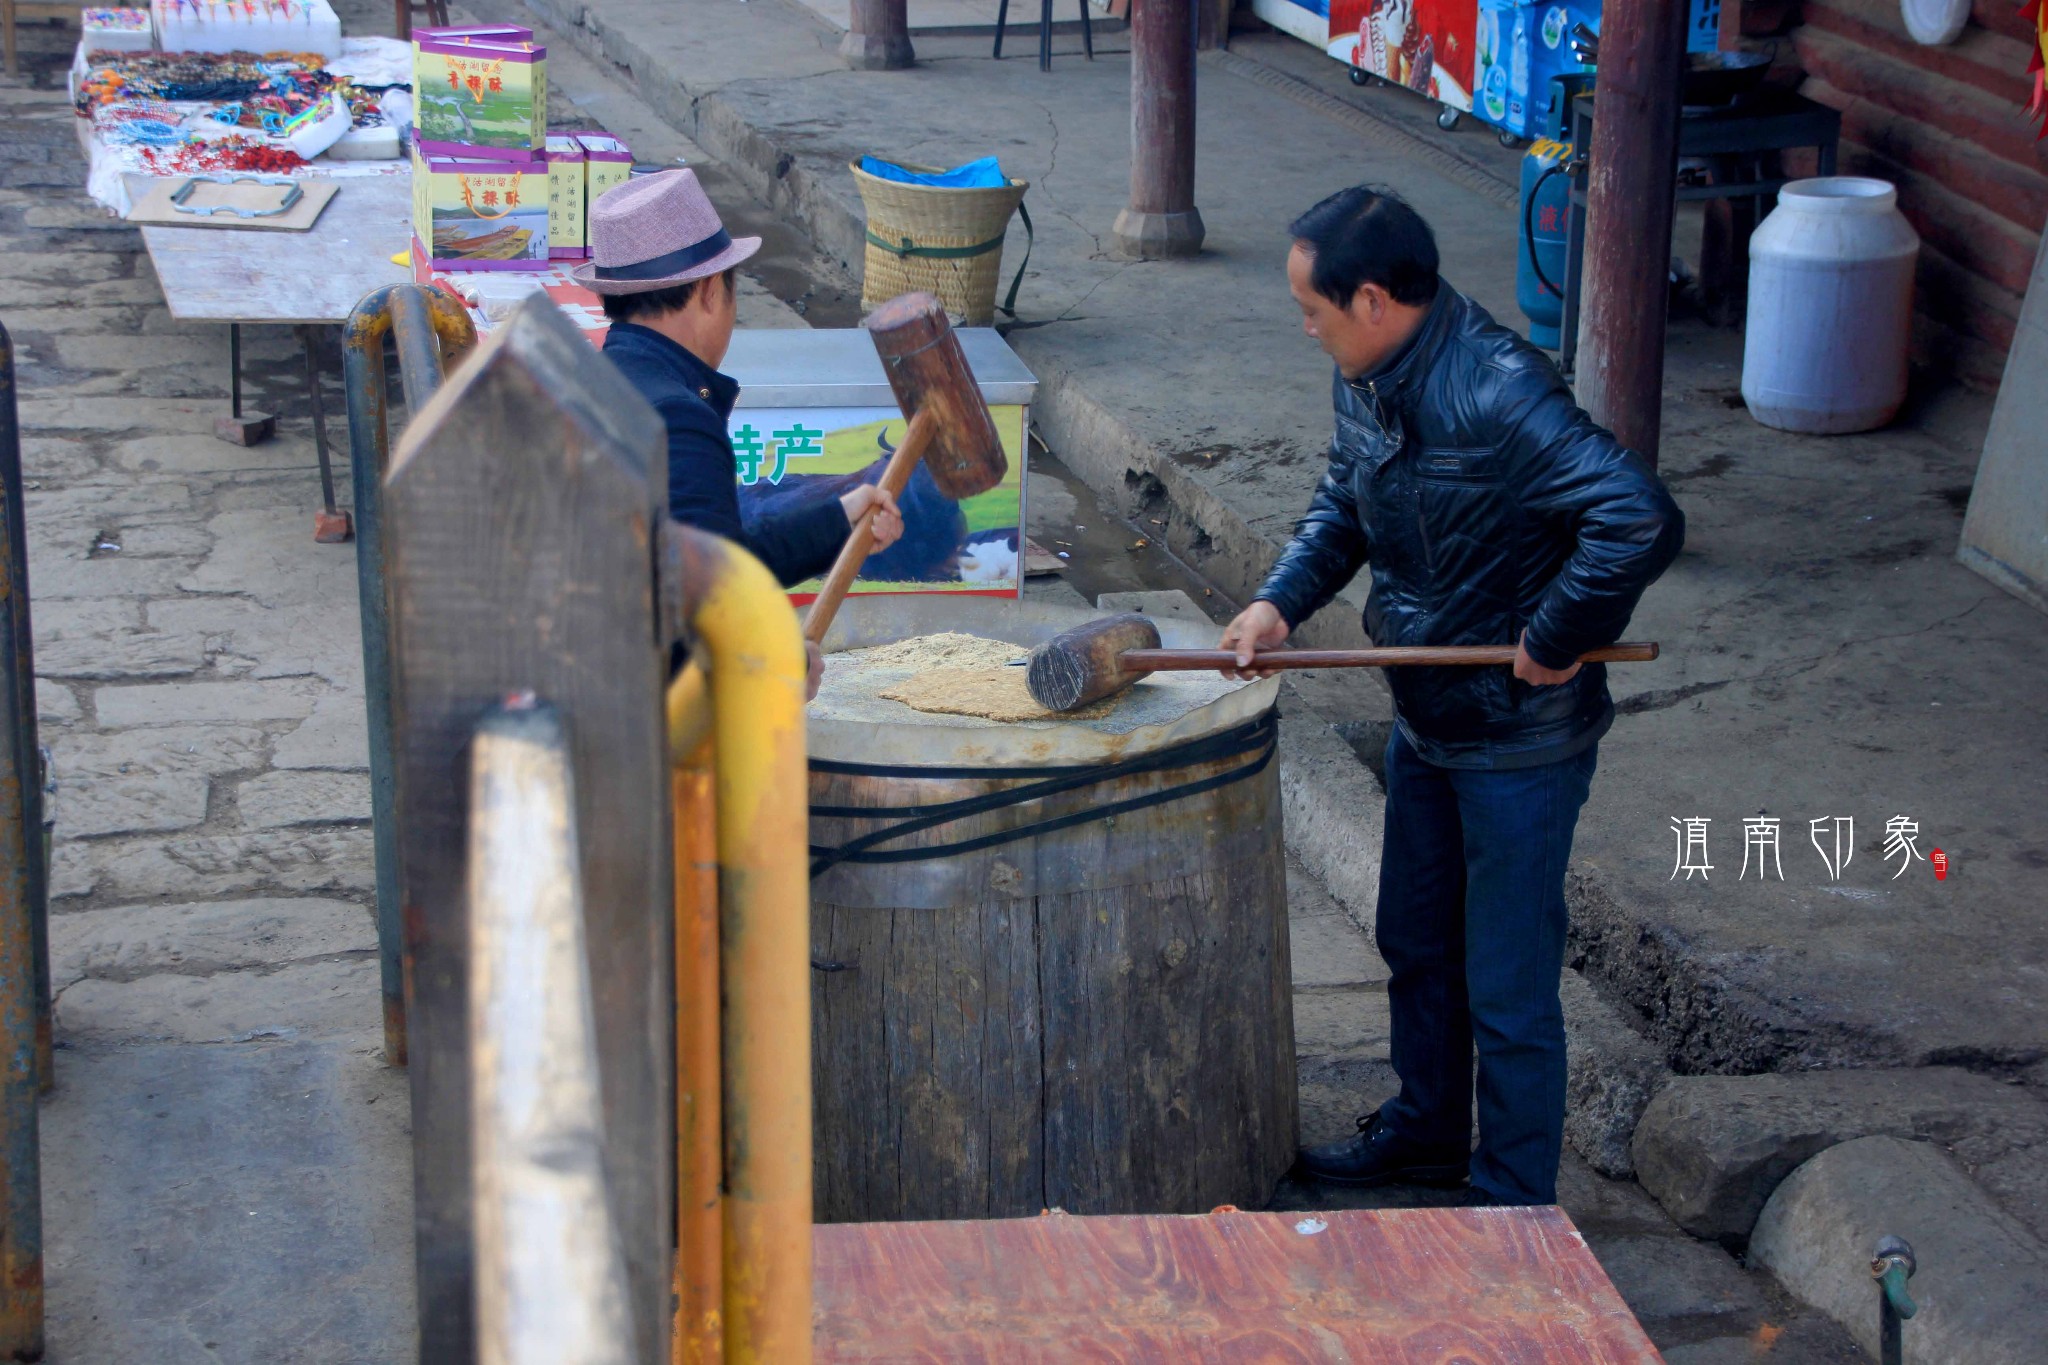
(895,478)
(1196,660)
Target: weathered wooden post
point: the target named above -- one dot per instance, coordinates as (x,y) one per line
(550,1274)
(1620,365)
(21,944)
(521,514)
(878,36)
(428,327)
(1161,219)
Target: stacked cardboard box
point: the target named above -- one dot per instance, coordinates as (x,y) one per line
(480,173)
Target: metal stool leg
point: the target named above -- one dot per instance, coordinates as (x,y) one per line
(1002,17)
(1087,33)
(1045,35)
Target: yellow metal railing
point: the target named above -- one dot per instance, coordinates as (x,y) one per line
(743,1032)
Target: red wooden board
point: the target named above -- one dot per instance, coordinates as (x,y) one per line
(1387,1287)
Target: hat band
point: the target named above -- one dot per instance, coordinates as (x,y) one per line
(672,263)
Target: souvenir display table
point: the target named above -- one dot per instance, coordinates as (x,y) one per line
(239,275)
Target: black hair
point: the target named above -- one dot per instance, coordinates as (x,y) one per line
(654,302)
(1368,235)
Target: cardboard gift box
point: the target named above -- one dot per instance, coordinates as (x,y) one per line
(607,162)
(471,214)
(480,96)
(567,238)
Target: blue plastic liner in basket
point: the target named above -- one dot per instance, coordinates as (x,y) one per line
(974,175)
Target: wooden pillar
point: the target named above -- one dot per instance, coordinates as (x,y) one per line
(1161,219)
(879,36)
(1620,371)
(520,516)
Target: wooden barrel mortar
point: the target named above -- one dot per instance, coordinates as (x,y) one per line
(1096,1017)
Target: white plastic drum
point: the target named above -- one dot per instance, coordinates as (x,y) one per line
(1830,307)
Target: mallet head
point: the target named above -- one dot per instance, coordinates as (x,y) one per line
(927,369)
(1082,665)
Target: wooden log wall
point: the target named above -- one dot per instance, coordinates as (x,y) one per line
(1946,125)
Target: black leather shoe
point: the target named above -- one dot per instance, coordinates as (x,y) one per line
(1378,1157)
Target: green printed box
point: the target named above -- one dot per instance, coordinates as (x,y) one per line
(480,97)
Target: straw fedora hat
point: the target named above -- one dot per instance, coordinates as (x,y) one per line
(655,231)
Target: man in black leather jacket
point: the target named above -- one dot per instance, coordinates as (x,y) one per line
(1492,510)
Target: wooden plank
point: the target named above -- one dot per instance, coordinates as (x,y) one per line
(1484,1286)
(239,275)
(265,197)
(520,513)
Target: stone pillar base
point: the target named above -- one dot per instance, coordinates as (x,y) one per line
(1153,236)
(871,52)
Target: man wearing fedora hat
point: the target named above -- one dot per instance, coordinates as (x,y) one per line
(664,266)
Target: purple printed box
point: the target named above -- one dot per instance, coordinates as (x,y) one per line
(478,97)
(479,215)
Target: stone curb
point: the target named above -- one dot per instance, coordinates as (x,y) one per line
(1981,1283)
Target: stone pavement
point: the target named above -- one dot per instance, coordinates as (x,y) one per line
(227,1159)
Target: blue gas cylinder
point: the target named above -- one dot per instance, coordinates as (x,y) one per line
(1540,239)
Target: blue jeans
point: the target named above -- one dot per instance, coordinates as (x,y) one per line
(1472,925)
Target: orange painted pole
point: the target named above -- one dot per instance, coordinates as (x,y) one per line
(699,1337)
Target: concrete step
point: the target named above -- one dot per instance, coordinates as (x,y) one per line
(2003,17)
(1992,62)
(1981,1282)
(1712,1149)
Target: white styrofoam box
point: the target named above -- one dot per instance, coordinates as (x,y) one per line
(247,26)
(116,30)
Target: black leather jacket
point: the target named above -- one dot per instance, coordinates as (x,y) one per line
(1486,501)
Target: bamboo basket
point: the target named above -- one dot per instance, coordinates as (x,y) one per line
(948,242)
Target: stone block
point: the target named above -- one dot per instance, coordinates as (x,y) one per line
(39,268)
(1982,1281)
(56,703)
(336,735)
(87,806)
(1341,1022)
(244,1204)
(303,1000)
(1675,1277)
(280,799)
(123,657)
(257,641)
(207,453)
(84,618)
(1328,950)
(202,938)
(1612,1073)
(266,553)
(104,414)
(129,352)
(1333,810)
(1712,1148)
(168,703)
(62,458)
(76,576)
(186,867)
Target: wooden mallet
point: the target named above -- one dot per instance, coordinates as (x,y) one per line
(1091,662)
(950,429)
